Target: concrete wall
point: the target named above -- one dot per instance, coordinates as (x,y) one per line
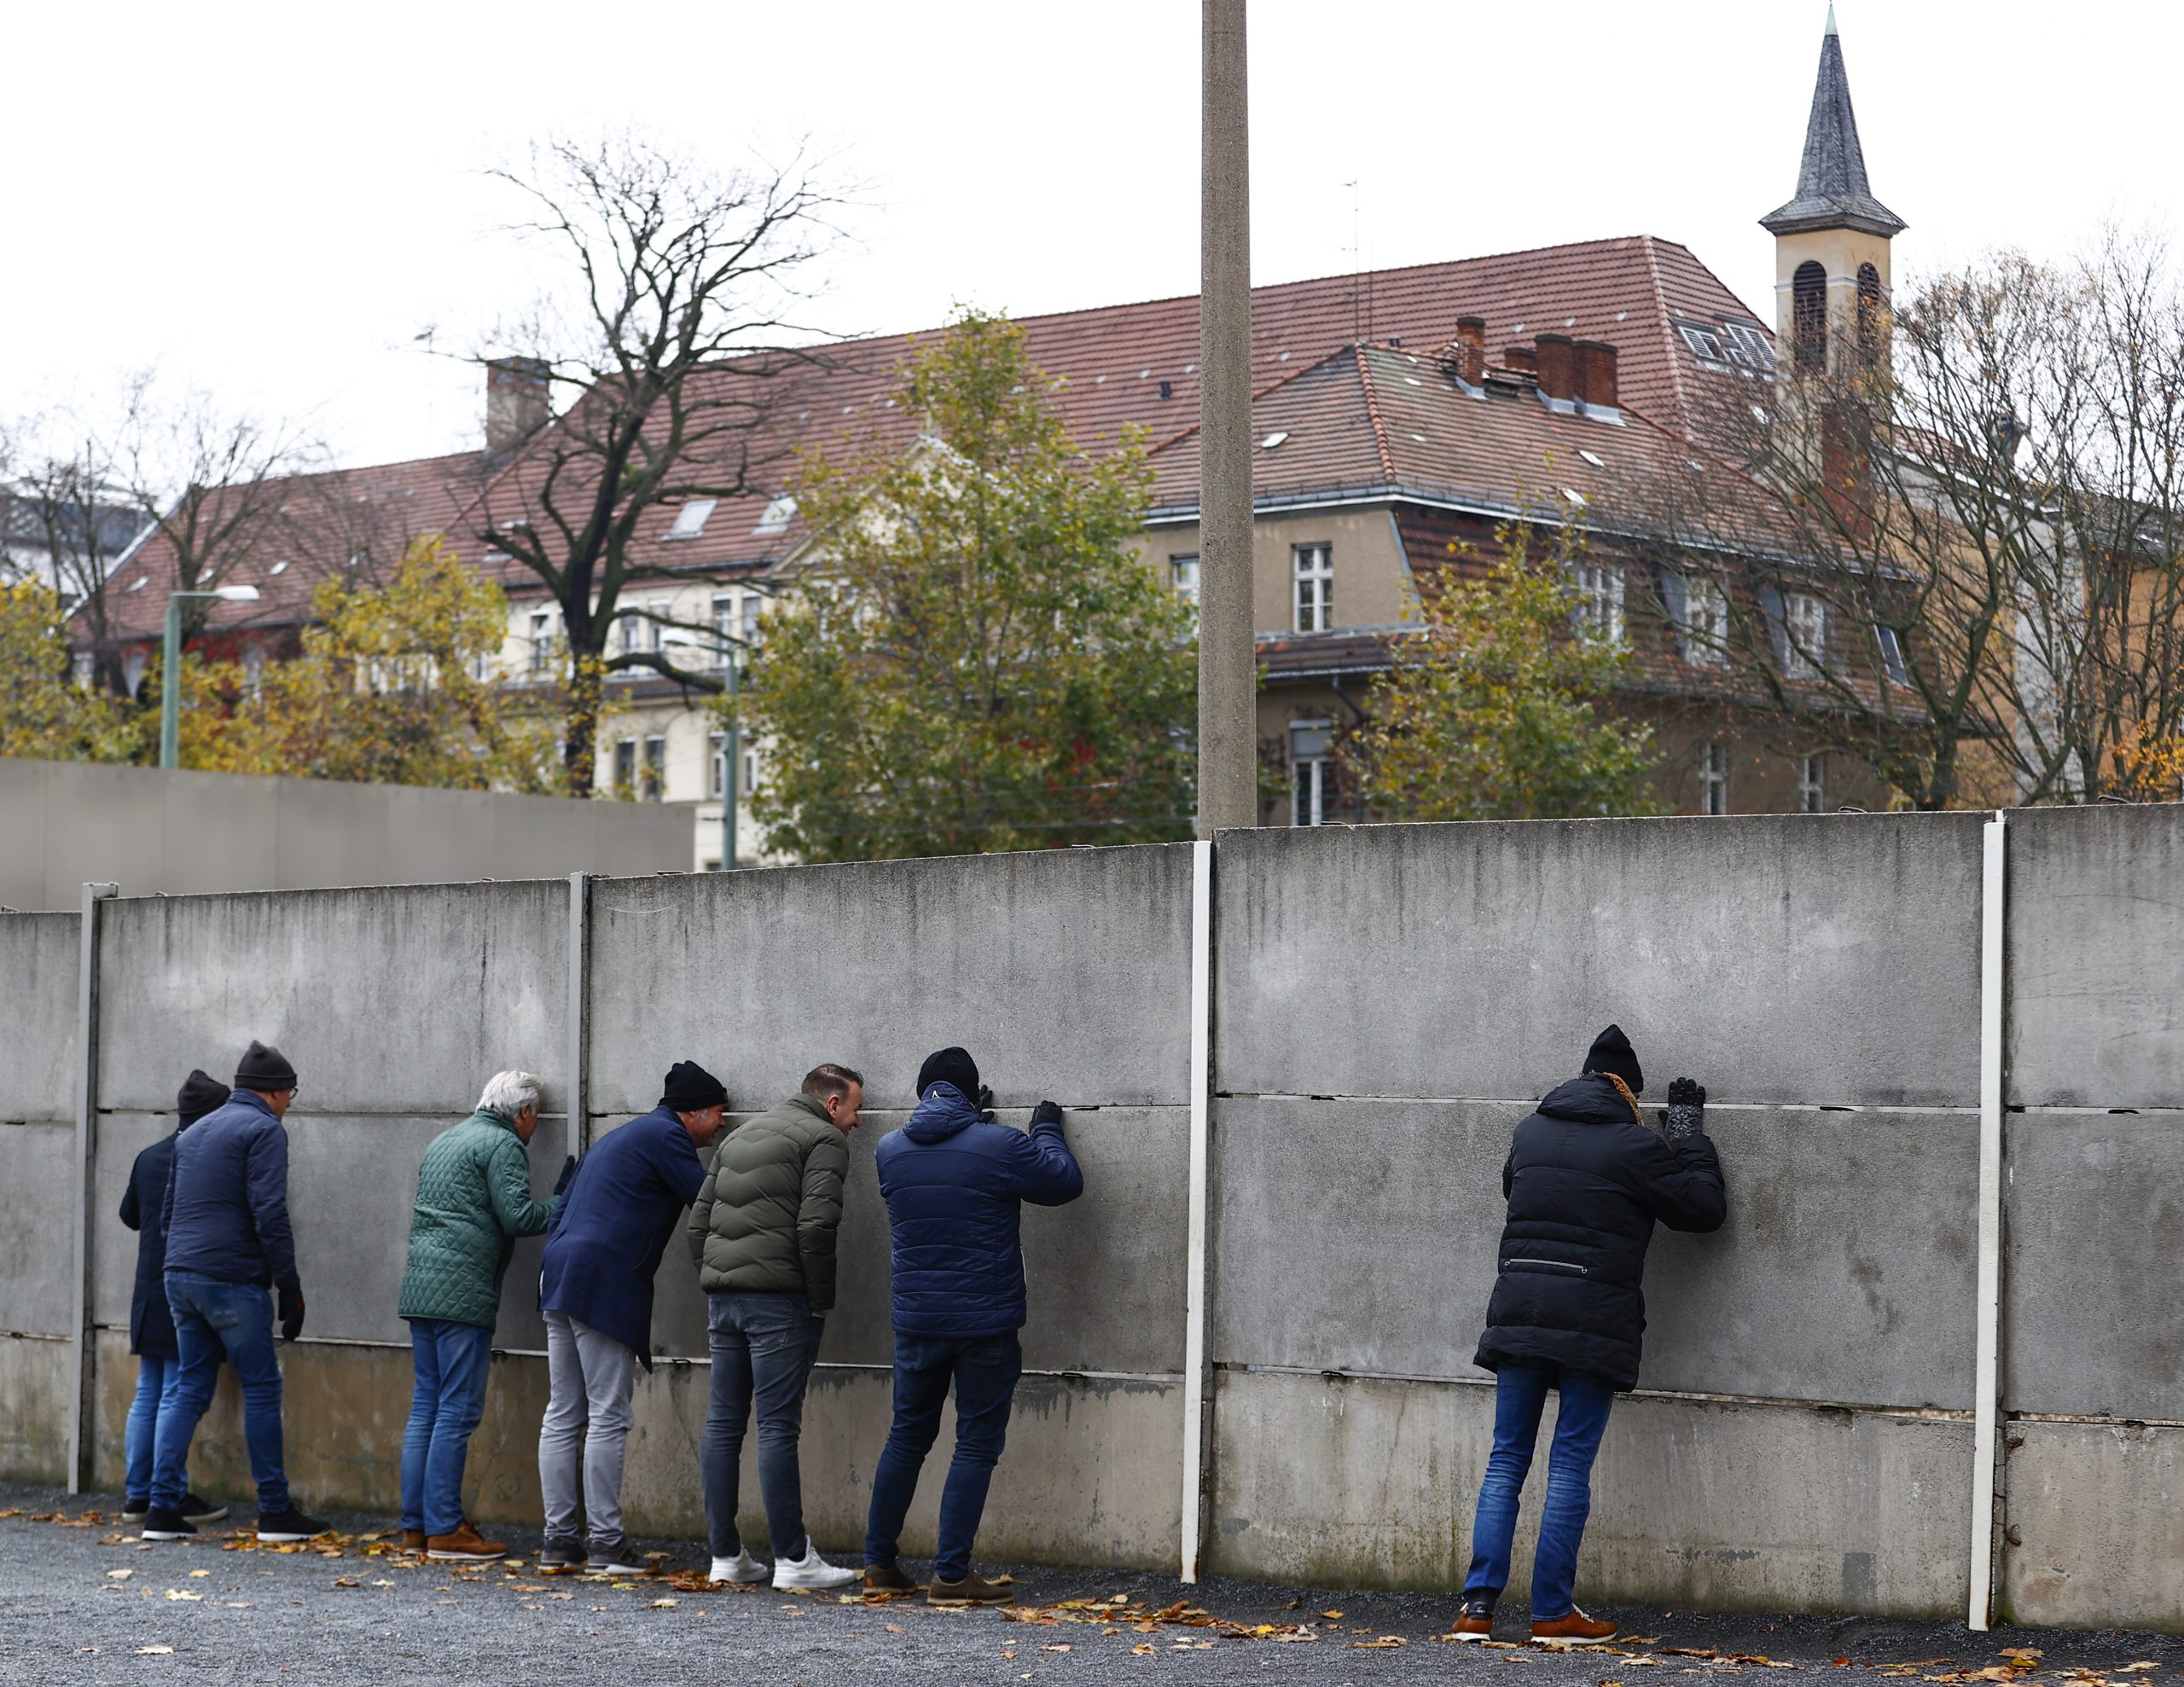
(1386,1003)
(155,832)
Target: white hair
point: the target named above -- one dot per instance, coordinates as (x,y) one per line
(509,1093)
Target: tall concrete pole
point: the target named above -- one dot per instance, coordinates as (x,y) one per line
(1227,702)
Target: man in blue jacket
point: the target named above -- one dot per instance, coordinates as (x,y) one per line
(226,1219)
(595,1287)
(955,1182)
(151,1325)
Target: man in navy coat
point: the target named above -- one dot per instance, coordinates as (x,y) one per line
(595,1288)
(955,1183)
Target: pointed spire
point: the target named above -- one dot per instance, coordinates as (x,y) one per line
(1831,188)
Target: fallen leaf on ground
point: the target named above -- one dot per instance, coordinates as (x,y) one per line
(1388,1643)
(661,1605)
(1332,1616)
(200,1572)
(191,1598)
(120,1576)
(154,1651)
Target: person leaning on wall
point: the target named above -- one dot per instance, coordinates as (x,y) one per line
(1586,1181)
(595,1287)
(228,1242)
(955,1182)
(151,1325)
(473,1201)
(761,1234)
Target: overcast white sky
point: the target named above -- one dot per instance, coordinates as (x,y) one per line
(271,201)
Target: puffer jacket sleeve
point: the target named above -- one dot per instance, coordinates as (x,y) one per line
(1680,1183)
(507,1186)
(819,1216)
(1042,1169)
(266,1181)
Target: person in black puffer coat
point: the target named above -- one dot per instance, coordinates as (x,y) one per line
(1586,1181)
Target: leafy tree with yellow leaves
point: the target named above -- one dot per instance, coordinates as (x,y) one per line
(47,716)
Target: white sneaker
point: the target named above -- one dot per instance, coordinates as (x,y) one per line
(741,1568)
(811,1570)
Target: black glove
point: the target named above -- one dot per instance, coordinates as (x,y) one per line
(1046,1113)
(291,1309)
(568,1171)
(985,1103)
(1685,1116)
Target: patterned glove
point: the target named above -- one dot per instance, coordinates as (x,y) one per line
(1685,1116)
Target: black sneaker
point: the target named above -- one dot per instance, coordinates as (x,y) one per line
(563,1557)
(201,1511)
(617,1558)
(133,1510)
(166,1525)
(280,1527)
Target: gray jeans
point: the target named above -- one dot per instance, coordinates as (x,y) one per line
(589,1379)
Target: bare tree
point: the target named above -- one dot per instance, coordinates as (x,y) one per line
(68,520)
(664,350)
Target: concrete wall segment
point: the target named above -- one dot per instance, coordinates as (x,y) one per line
(40,964)
(38,1187)
(1843,970)
(2098,1512)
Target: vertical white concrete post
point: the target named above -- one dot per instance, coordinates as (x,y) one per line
(576,1057)
(1986,1399)
(1194,1309)
(81,1396)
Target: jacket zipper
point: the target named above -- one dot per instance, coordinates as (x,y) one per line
(1551,1265)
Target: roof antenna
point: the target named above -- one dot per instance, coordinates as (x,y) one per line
(1356,266)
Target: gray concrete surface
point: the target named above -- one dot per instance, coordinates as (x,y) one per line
(40,958)
(1384,1260)
(181,833)
(2096,923)
(35,1194)
(1698,1503)
(260,1616)
(2096,1511)
(1720,943)
(1066,972)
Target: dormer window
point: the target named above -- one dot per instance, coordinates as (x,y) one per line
(1749,345)
(690,521)
(1705,345)
(779,513)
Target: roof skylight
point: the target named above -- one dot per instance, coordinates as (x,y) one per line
(779,513)
(690,521)
(278,566)
(1574,495)
(1272,439)
(1593,458)
(140,582)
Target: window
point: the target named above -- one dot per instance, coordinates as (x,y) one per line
(625,768)
(1598,612)
(778,515)
(1891,655)
(1182,574)
(1314,570)
(1748,346)
(84,665)
(690,521)
(1308,744)
(1804,624)
(748,617)
(1812,785)
(750,769)
(253,671)
(542,640)
(1809,316)
(717,775)
(1705,624)
(725,616)
(1714,778)
(1704,342)
(1869,325)
(654,785)
(656,614)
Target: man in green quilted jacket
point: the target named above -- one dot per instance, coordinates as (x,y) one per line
(473,1200)
(762,1231)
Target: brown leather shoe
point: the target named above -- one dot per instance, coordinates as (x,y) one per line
(413,1540)
(1476,1622)
(1575,1629)
(888,1579)
(973,1589)
(465,1546)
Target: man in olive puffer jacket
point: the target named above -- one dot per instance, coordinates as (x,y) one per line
(473,1201)
(761,1232)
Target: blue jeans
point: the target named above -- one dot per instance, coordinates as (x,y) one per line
(985,1372)
(213,1317)
(1521,1393)
(450,1361)
(763,1347)
(156,1375)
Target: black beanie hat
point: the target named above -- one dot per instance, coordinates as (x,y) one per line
(950,1066)
(264,1068)
(1611,1052)
(691,1089)
(199,1096)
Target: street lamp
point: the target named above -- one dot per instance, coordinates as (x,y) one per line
(731,753)
(170,672)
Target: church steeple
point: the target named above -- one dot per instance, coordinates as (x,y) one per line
(1832,191)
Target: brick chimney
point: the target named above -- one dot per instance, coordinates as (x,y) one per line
(1557,365)
(519,401)
(1466,354)
(1596,373)
(1520,358)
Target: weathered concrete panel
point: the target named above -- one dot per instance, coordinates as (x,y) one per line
(38,1188)
(2093,1321)
(1337,1483)
(2099,1511)
(401,1000)
(2096,923)
(1067,973)
(1089,1475)
(35,1380)
(121,1137)
(40,956)
(1362,1236)
(1825,959)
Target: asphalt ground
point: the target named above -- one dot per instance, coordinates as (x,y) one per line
(82,1600)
